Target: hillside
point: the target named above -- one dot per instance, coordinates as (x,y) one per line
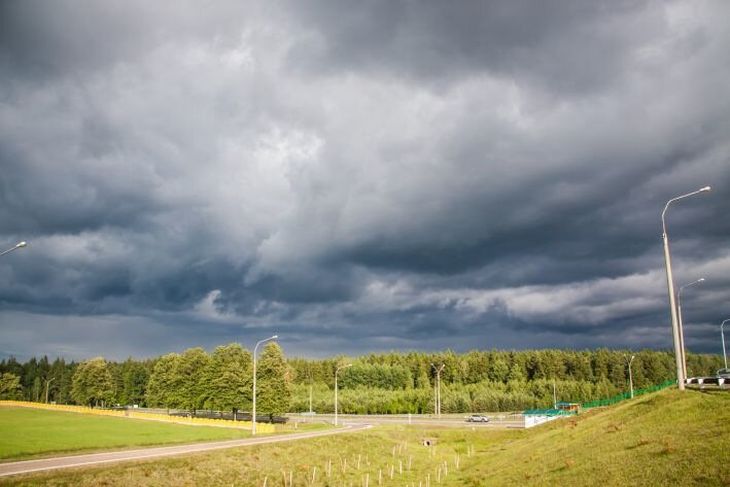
(667,438)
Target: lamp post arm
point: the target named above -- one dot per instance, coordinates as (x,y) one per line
(701,190)
(19,245)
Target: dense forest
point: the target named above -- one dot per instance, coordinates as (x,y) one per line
(376,383)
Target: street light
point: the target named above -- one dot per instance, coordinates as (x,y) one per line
(253,426)
(437,399)
(17,246)
(722,334)
(670,287)
(681,323)
(631,377)
(336,371)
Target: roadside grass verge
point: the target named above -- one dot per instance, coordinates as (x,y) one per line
(666,438)
(32,432)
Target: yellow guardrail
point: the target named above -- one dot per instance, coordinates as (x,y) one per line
(131,413)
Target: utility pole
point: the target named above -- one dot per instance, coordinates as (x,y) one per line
(670,289)
(311,380)
(437,401)
(337,370)
(631,377)
(253,415)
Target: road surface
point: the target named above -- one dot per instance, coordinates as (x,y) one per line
(496,421)
(28,466)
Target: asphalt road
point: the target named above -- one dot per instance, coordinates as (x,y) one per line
(28,466)
(496,422)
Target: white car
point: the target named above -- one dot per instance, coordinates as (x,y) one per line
(477,418)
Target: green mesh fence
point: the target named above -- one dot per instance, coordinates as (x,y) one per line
(626,395)
(601,402)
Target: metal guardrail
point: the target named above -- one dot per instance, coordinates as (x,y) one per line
(714,382)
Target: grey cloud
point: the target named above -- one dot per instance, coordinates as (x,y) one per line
(366,176)
(567,46)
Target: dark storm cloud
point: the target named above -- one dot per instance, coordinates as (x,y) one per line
(362,176)
(567,45)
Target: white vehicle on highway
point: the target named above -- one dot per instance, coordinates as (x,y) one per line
(477,418)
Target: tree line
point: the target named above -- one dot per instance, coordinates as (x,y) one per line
(376,383)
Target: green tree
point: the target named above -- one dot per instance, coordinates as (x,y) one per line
(229,378)
(92,383)
(191,389)
(273,381)
(134,382)
(162,384)
(10,388)
(516,373)
(498,370)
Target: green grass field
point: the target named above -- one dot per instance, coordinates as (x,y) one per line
(32,432)
(667,438)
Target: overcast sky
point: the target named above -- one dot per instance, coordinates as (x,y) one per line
(360,176)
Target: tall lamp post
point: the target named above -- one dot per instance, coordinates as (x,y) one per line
(253,414)
(722,335)
(670,286)
(437,399)
(17,246)
(681,323)
(631,377)
(336,371)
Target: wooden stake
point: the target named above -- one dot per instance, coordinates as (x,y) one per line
(410,460)
(266,478)
(314,474)
(400,467)
(380,476)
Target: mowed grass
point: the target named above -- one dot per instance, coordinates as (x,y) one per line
(667,438)
(31,432)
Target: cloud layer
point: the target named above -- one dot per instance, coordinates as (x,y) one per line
(360,176)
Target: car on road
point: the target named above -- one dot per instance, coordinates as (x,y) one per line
(724,373)
(477,418)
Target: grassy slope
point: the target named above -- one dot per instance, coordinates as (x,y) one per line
(666,438)
(27,432)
